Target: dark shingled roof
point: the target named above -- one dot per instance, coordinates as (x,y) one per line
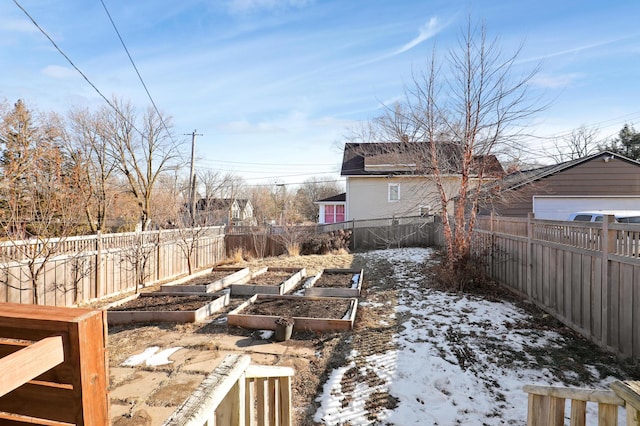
(334,198)
(401,159)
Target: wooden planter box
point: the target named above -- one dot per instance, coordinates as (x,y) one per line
(267,322)
(252,287)
(236,275)
(125,317)
(351,287)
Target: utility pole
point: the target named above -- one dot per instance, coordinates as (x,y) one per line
(192,177)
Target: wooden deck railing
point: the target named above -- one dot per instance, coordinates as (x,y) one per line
(547,404)
(53,369)
(237,393)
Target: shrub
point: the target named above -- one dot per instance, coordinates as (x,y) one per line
(332,242)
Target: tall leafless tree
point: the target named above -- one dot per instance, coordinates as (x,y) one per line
(456,116)
(581,142)
(143,149)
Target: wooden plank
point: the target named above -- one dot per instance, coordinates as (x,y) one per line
(613,309)
(635,324)
(607,415)
(585,301)
(576,289)
(88,357)
(629,391)
(42,400)
(28,363)
(578,413)
(596,301)
(8,419)
(286,419)
(626,311)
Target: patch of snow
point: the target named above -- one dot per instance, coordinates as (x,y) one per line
(151,357)
(266,334)
(162,357)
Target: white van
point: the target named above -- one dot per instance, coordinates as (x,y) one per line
(621,216)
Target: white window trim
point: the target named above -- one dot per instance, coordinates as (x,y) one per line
(397,185)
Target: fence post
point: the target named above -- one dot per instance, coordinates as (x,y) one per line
(98,270)
(529,278)
(608,246)
(158,256)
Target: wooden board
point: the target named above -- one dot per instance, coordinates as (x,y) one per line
(352,291)
(127,317)
(267,322)
(236,275)
(73,392)
(249,288)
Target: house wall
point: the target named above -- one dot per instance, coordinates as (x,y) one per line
(594,177)
(368,196)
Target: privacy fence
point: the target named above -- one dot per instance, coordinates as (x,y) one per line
(262,241)
(585,274)
(76,270)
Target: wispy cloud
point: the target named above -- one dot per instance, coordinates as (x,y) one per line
(577,49)
(555,81)
(242,7)
(432,27)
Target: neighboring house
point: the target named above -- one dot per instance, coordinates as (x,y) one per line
(225,211)
(387,179)
(332,209)
(605,180)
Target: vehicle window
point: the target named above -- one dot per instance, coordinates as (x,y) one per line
(631,219)
(583,218)
(599,219)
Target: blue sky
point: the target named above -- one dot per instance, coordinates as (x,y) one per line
(273,85)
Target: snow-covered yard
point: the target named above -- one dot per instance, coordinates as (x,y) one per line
(454,358)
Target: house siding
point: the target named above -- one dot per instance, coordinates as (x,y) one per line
(592,178)
(368,197)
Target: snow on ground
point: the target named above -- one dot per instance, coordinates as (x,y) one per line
(459,359)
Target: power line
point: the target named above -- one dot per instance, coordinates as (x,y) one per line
(69,60)
(137,71)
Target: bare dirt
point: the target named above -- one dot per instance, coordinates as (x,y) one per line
(334,279)
(334,309)
(166,303)
(210,278)
(270,277)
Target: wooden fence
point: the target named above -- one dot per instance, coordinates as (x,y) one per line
(547,404)
(585,274)
(76,270)
(371,234)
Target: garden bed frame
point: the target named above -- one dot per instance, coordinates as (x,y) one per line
(267,322)
(352,291)
(249,289)
(128,317)
(236,275)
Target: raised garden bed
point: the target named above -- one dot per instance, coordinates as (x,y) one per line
(335,283)
(216,280)
(166,307)
(309,313)
(270,281)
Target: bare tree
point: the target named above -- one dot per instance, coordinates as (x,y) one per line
(142,153)
(455,118)
(581,142)
(88,150)
(38,193)
(311,190)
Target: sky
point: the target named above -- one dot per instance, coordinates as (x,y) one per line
(273,86)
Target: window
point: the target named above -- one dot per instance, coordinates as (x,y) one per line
(424,211)
(394,192)
(333,213)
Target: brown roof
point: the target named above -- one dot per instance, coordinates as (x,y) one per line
(384,158)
